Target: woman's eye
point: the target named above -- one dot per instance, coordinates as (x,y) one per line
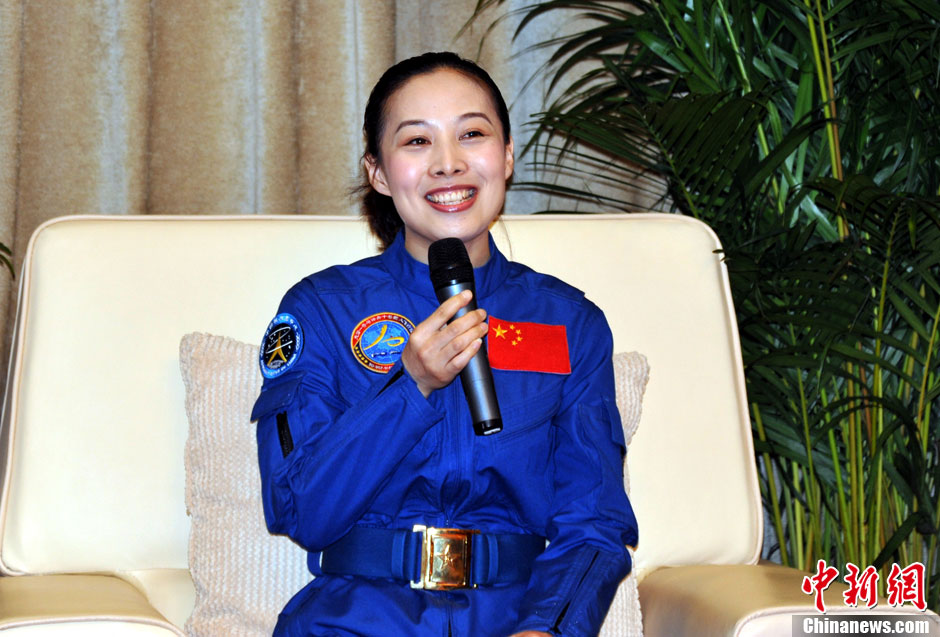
(473,133)
(416,141)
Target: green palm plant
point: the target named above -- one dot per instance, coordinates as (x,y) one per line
(805,132)
(5,258)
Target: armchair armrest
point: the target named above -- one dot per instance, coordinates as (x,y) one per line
(740,600)
(78,605)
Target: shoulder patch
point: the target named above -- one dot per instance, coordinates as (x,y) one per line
(377,341)
(282,345)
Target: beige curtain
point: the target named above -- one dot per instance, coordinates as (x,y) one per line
(214,106)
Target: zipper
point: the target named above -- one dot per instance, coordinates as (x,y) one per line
(465,437)
(450,452)
(556,627)
(392,380)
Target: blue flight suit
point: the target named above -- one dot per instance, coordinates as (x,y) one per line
(345,439)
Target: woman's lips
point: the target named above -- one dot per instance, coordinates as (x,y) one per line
(454,199)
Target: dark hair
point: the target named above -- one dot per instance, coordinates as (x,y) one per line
(379,209)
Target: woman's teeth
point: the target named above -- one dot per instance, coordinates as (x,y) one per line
(451,196)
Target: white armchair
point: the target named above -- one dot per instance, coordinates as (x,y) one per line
(94,531)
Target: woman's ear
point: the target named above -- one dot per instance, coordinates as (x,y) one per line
(510,159)
(376,175)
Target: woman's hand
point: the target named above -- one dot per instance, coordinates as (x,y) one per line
(436,352)
(531,633)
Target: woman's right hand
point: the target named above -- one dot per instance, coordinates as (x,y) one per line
(437,351)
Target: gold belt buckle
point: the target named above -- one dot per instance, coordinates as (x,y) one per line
(445,558)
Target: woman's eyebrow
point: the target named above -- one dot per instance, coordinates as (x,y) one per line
(421,122)
(472,115)
(410,122)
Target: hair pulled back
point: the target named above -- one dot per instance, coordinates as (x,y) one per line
(379,209)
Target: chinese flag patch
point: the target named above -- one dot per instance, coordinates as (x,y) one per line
(528,347)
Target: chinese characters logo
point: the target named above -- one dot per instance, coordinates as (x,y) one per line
(904,585)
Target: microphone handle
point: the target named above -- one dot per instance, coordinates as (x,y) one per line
(477,376)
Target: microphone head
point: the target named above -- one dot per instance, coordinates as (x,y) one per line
(449,263)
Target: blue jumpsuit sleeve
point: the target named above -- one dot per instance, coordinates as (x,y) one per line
(574,581)
(322,459)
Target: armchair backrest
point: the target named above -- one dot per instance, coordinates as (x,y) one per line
(94,422)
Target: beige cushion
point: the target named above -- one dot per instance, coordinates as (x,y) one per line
(243,575)
(78,606)
(631,372)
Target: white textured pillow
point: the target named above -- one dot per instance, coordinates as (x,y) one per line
(243,575)
(631,372)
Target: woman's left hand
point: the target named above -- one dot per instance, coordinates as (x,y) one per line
(531,633)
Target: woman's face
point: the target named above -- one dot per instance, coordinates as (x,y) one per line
(444,162)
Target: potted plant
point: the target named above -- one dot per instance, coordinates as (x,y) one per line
(806,133)
(5,255)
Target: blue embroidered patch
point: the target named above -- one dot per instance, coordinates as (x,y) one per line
(378,340)
(281,347)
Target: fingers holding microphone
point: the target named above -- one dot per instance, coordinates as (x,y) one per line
(439,348)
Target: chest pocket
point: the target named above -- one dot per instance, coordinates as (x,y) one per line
(519,459)
(527,416)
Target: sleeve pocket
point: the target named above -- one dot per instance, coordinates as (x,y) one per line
(276,397)
(600,426)
(616,426)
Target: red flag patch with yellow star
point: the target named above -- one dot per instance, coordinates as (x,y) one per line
(528,347)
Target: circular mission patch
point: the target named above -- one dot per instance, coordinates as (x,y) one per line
(378,340)
(281,347)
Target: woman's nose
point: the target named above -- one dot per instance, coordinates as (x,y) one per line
(448,160)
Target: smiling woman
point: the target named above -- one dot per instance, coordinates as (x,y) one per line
(379,208)
(416,525)
(451,159)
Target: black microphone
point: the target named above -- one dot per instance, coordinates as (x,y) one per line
(451,274)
